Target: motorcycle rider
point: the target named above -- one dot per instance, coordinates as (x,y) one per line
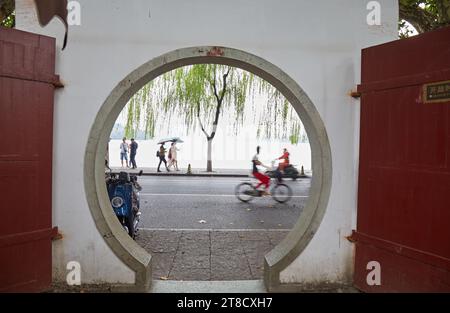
(285,158)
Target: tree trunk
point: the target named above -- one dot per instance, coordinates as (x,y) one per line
(216,120)
(209,158)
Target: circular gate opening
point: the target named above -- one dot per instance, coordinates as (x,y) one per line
(129,251)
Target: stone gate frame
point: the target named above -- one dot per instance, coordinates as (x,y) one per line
(127,250)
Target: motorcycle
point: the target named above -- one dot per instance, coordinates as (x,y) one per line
(123,190)
(289,172)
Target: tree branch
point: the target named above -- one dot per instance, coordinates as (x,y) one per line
(215,89)
(443,8)
(219,101)
(224,89)
(200,121)
(420,19)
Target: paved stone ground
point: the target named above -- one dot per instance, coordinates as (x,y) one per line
(208,255)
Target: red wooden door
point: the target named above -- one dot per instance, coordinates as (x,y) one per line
(27,82)
(404,173)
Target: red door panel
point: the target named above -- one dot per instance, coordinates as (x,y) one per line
(26,125)
(404,172)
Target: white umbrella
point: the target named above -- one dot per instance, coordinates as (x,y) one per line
(170,139)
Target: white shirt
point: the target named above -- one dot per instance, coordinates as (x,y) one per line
(255,167)
(123,147)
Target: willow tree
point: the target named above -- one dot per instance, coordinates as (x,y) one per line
(201,94)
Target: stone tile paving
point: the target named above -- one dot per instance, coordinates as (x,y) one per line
(208,255)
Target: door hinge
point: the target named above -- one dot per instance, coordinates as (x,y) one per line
(56,235)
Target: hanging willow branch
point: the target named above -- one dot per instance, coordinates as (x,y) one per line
(200,94)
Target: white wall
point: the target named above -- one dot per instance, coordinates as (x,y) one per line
(317,43)
(227,154)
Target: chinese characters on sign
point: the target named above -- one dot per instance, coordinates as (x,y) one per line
(437,92)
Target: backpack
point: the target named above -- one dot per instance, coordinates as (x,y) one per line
(157,153)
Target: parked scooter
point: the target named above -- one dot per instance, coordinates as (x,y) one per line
(123,190)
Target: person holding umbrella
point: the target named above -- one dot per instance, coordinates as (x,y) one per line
(162,151)
(162,157)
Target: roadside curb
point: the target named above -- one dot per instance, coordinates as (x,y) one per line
(188,175)
(199,175)
(196,175)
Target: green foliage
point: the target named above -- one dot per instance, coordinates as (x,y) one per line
(189,92)
(7,15)
(423,15)
(9,21)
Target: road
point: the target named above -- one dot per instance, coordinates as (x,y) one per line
(209,203)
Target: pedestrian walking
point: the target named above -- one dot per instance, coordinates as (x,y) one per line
(124,148)
(162,157)
(173,159)
(133,150)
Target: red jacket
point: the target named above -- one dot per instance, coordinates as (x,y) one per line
(285,157)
